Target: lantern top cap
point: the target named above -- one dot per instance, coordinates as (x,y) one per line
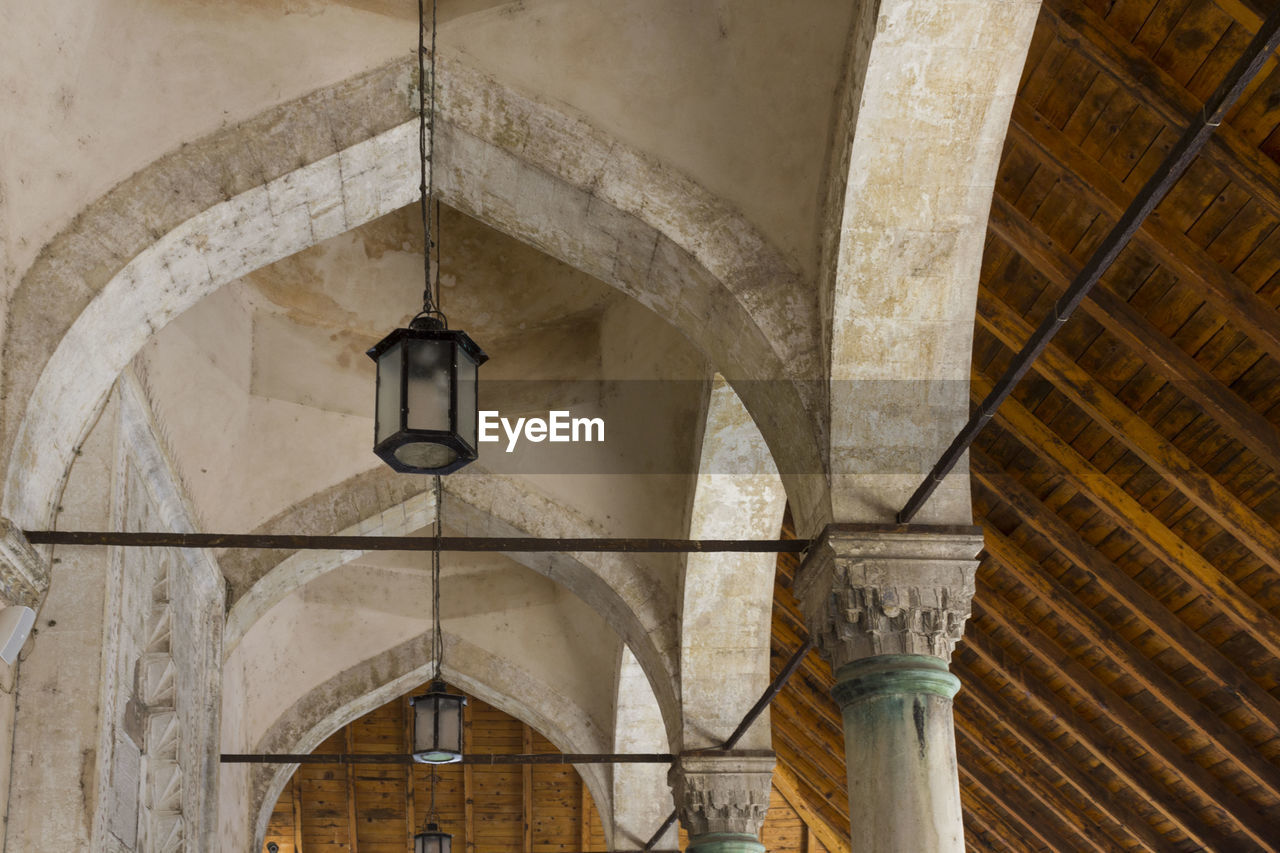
(438,688)
(457,336)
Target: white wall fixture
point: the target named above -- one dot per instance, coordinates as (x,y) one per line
(15,627)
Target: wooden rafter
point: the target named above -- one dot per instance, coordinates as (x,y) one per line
(1133,663)
(991,606)
(997,715)
(1215,665)
(1034,785)
(1133,330)
(1099,747)
(1087,179)
(1130,516)
(1027,812)
(1129,428)
(1091,37)
(835,839)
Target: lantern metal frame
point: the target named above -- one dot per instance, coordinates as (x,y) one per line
(422,840)
(436,693)
(425,328)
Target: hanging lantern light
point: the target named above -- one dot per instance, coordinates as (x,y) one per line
(427,411)
(426,415)
(437,726)
(432,840)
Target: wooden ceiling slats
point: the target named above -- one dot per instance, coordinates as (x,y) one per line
(1094,39)
(1139,727)
(1101,748)
(1168,690)
(1127,514)
(1029,781)
(1216,666)
(1122,423)
(834,837)
(1088,180)
(1131,328)
(1026,818)
(979,708)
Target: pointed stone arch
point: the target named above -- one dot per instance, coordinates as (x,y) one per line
(247,196)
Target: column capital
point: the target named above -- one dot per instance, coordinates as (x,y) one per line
(725,794)
(24,574)
(869,590)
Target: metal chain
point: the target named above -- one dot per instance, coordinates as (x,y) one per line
(437,647)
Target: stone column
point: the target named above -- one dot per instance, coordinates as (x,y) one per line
(722,799)
(887,607)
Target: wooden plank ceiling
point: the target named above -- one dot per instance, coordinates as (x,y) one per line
(487,809)
(1120,672)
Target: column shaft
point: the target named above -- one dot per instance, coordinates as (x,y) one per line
(904,793)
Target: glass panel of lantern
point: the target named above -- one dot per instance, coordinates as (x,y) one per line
(437,726)
(433,841)
(427,400)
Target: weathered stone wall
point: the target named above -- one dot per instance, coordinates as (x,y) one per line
(127,755)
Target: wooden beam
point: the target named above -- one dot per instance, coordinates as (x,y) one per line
(1067,812)
(1104,752)
(1130,429)
(1213,665)
(351,791)
(1087,179)
(1131,517)
(410,801)
(297,813)
(998,715)
(1010,837)
(834,839)
(526,790)
(1128,326)
(990,605)
(1082,29)
(468,786)
(1025,816)
(1130,660)
(584,815)
(994,832)
(833,813)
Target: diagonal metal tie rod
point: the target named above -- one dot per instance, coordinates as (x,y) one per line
(766,699)
(1151,194)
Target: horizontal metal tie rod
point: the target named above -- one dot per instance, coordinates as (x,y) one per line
(297,542)
(290,542)
(496,758)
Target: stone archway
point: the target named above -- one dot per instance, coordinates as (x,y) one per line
(486,504)
(243,198)
(358,690)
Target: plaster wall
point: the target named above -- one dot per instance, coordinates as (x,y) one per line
(55,738)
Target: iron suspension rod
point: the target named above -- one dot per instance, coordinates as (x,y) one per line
(1151,194)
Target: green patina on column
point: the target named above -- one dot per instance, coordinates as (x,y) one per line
(725,842)
(893,674)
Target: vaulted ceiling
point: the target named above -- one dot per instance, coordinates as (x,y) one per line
(1121,672)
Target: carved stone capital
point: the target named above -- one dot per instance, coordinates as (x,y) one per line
(722,794)
(869,591)
(24,574)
